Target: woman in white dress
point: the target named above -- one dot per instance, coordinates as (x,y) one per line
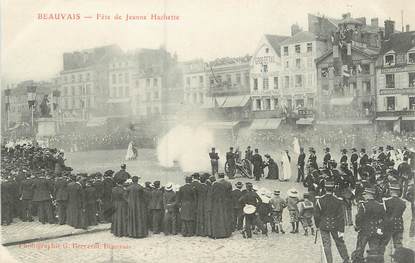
(131,155)
(286,167)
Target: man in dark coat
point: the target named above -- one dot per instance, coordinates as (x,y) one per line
(6,202)
(326,158)
(42,192)
(156,207)
(74,206)
(90,204)
(237,207)
(122,175)
(329,218)
(300,165)
(231,160)
(136,214)
(119,217)
(201,191)
(214,161)
(108,184)
(343,159)
(354,163)
(273,172)
(26,195)
(186,201)
(250,197)
(170,211)
(258,165)
(312,161)
(394,224)
(221,208)
(369,222)
(61,197)
(364,158)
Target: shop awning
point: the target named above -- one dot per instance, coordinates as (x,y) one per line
(341,101)
(118,100)
(265,124)
(213,102)
(236,101)
(305,121)
(345,122)
(96,122)
(408,118)
(220,125)
(387,118)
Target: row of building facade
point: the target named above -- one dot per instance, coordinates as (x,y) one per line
(343,71)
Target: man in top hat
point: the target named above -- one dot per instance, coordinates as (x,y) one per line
(300,165)
(329,218)
(250,201)
(343,159)
(237,208)
(214,161)
(122,175)
(354,162)
(278,204)
(312,161)
(368,221)
(327,157)
(395,207)
(231,159)
(258,165)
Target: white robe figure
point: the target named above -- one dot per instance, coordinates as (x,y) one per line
(130,152)
(286,168)
(296,146)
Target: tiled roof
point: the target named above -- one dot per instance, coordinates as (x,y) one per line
(399,42)
(300,37)
(275,41)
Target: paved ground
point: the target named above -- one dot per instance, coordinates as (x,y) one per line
(95,247)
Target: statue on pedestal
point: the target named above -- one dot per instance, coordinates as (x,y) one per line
(44,108)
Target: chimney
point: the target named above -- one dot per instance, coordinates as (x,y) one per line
(362,20)
(389,28)
(295,28)
(374,22)
(407,28)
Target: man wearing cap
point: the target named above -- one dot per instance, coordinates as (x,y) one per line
(186,201)
(230,159)
(369,222)
(278,204)
(214,161)
(353,160)
(258,165)
(395,207)
(61,197)
(329,218)
(300,165)
(42,190)
(26,195)
(250,199)
(327,157)
(237,208)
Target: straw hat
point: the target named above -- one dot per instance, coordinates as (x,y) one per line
(292,192)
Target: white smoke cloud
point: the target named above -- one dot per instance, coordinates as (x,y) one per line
(188,146)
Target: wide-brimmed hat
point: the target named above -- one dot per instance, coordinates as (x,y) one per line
(277,192)
(292,192)
(169,187)
(249,209)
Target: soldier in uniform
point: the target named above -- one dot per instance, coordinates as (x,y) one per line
(258,165)
(327,158)
(343,159)
(237,208)
(368,221)
(26,195)
(300,165)
(186,201)
(353,160)
(230,159)
(329,218)
(312,161)
(61,197)
(395,208)
(214,161)
(252,199)
(364,158)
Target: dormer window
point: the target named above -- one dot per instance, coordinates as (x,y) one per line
(285,51)
(389,60)
(411,57)
(267,50)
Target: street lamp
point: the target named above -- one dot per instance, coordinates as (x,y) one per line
(7,93)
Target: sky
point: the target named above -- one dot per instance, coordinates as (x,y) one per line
(33,48)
